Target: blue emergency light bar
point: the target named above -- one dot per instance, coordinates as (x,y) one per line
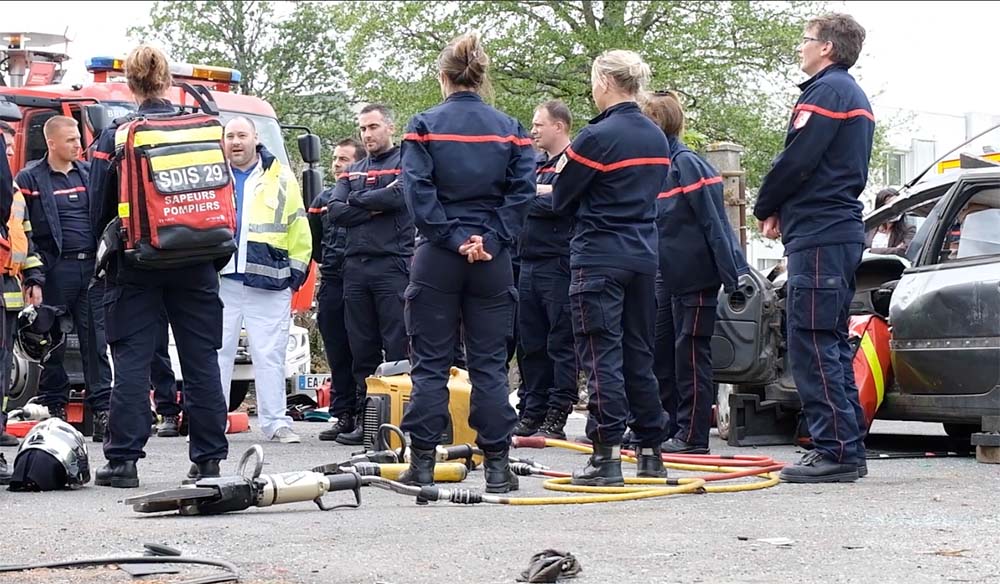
(203,72)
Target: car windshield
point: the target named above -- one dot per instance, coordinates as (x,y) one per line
(268,129)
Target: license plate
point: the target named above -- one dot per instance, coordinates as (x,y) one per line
(313,381)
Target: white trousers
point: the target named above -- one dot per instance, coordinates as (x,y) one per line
(266,315)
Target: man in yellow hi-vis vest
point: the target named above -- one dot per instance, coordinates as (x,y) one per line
(274,246)
(23,270)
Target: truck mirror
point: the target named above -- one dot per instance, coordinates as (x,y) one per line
(98,117)
(312,184)
(309,148)
(11,113)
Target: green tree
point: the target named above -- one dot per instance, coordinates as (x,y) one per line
(287,54)
(736,60)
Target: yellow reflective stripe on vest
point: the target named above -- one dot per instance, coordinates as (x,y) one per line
(13,300)
(185,159)
(158,137)
(871,355)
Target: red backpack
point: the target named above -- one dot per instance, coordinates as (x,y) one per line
(175,191)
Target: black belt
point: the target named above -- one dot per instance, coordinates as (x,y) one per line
(79,255)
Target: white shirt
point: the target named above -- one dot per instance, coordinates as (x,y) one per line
(881,240)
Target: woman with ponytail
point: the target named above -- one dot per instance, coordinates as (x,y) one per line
(468,177)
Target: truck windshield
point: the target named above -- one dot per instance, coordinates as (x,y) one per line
(268,129)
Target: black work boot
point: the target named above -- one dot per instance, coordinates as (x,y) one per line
(554,424)
(5,471)
(169,428)
(421,471)
(9,440)
(206,469)
(499,477)
(604,469)
(355,437)
(100,425)
(121,475)
(344,425)
(527,426)
(649,464)
(815,468)
(678,446)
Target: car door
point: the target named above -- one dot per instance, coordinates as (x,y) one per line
(945,310)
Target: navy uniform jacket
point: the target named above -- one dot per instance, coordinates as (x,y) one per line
(609,180)
(329,240)
(368,202)
(545,235)
(815,182)
(36,185)
(6,184)
(697,247)
(468,169)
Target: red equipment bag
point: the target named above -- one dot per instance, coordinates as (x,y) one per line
(176,202)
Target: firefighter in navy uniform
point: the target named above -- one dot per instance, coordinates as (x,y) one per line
(56,193)
(698,254)
(328,252)
(810,199)
(468,177)
(546,357)
(368,202)
(609,179)
(133,301)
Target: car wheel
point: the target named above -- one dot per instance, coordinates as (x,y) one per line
(237,393)
(962,432)
(722,419)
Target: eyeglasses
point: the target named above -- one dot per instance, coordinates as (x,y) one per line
(806,39)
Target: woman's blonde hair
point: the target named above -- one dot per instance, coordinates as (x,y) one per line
(664,108)
(147,72)
(625,69)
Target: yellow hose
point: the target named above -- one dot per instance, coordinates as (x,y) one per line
(645,488)
(608,494)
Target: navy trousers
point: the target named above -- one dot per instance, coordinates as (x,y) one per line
(161,374)
(67,283)
(820,288)
(133,305)
(694,316)
(373,316)
(330,319)
(665,337)
(546,355)
(445,290)
(614,316)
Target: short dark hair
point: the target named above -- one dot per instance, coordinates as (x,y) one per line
(558,111)
(844,32)
(6,128)
(380,108)
(884,195)
(352,143)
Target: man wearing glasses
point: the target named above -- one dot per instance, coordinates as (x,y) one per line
(810,199)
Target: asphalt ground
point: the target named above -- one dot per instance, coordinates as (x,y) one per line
(911,520)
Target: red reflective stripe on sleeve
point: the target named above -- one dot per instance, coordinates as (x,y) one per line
(384,172)
(835,115)
(101,155)
(317,210)
(690,188)
(616,165)
(462,138)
